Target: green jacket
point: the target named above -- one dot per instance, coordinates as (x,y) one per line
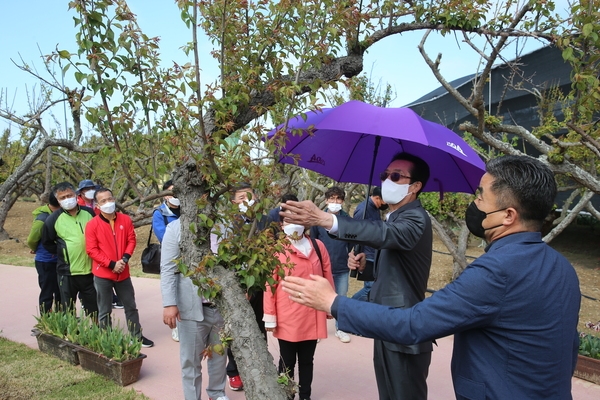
(35,234)
(64,235)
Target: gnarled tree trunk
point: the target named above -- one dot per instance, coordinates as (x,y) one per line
(254,361)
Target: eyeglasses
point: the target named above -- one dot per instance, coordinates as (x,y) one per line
(394,176)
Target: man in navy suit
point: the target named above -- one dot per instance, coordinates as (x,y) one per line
(513,311)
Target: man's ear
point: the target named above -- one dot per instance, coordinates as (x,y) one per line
(511,216)
(417,185)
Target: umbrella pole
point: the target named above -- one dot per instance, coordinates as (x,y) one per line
(375,150)
(358,248)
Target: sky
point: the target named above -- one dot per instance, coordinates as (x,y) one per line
(38,27)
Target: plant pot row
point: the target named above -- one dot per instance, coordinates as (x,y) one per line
(588,368)
(123,373)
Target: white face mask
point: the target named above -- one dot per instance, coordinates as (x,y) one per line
(393,193)
(68,204)
(174,201)
(294,231)
(89,194)
(243,207)
(108,208)
(334,207)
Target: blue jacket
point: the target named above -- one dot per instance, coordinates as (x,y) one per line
(161,217)
(338,250)
(513,313)
(373,214)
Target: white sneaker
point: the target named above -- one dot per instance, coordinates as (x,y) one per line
(221,398)
(343,336)
(175,335)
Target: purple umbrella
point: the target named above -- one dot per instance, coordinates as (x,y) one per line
(355,141)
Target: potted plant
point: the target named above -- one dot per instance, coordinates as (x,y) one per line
(110,352)
(56,335)
(588,360)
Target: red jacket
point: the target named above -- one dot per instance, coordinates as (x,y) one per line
(84,202)
(105,246)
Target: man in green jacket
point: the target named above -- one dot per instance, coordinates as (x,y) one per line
(64,235)
(45,263)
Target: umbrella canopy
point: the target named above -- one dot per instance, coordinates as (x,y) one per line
(356,141)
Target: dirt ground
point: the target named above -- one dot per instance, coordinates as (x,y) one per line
(580,244)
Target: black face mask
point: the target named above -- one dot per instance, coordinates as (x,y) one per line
(384,207)
(474,218)
(176,211)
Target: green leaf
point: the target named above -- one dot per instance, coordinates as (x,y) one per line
(567,54)
(64,54)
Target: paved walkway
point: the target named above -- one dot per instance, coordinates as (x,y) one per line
(342,371)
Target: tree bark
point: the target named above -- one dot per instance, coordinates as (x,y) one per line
(254,361)
(9,200)
(457,251)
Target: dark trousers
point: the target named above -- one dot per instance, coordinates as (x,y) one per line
(71,285)
(400,376)
(104,288)
(48,281)
(256,302)
(305,352)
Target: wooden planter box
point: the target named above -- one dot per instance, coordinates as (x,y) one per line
(588,368)
(123,373)
(57,347)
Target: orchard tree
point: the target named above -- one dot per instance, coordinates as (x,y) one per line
(275,60)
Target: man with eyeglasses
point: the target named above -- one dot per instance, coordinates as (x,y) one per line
(110,242)
(402,263)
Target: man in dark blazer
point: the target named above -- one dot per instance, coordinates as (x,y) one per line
(401,270)
(513,311)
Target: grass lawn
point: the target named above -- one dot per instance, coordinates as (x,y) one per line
(26,373)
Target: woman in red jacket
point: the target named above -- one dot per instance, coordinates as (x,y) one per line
(296,327)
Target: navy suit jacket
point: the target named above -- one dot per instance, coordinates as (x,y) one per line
(513,313)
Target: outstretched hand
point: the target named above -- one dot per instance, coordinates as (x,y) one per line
(315,292)
(305,213)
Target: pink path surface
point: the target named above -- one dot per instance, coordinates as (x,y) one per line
(342,371)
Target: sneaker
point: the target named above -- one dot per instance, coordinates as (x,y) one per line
(117,304)
(175,335)
(220,398)
(343,336)
(235,383)
(147,342)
